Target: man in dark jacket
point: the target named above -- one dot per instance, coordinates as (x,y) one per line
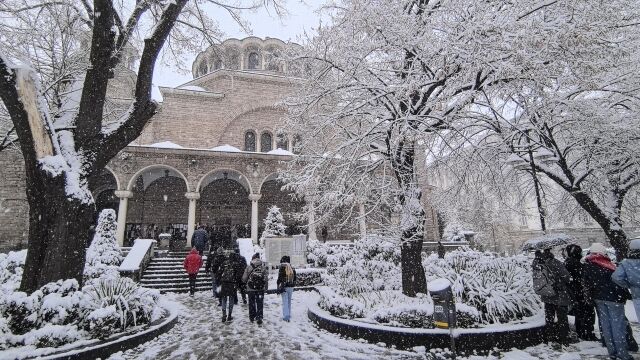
(609,298)
(556,302)
(583,310)
(240,265)
(228,286)
(256,276)
(214,261)
(200,239)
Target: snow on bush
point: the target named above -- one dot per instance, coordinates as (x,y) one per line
(308,277)
(500,288)
(11,266)
(53,335)
(132,304)
(104,255)
(454,231)
(340,306)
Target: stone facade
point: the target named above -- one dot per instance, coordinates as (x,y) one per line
(170,179)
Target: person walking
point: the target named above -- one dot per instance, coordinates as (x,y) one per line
(192,264)
(285,283)
(200,239)
(240,264)
(214,260)
(609,299)
(256,276)
(550,282)
(228,279)
(584,311)
(627,274)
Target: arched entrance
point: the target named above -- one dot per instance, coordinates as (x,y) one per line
(158,204)
(224,207)
(272,194)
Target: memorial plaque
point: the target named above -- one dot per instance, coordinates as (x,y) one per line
(294,247)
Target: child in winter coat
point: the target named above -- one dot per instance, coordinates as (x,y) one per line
(628,274)
(609,298)
(286,281)
(192,264)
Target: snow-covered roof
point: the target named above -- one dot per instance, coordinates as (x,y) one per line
(279,151)
(226,148)
(166,145)
(192,88)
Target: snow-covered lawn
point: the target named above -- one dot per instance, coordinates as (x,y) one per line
(200,335)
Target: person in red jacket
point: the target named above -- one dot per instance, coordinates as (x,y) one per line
(192,264)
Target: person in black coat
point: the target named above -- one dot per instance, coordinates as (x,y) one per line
(583,310)
(228,286)
(556,305)
(214,260)
(609,299)
(240,265)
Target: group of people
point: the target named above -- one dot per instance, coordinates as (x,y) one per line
(231,274)
(586,285)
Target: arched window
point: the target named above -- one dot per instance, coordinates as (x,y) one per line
(254,61)
(250,141)
(265,142)
(282,141)
(295,144)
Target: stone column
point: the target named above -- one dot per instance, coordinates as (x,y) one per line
(124,196)
(311,220)
(254,216)
(191,221)
(362,220)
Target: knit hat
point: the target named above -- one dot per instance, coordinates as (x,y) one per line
(255,256)
(598,248)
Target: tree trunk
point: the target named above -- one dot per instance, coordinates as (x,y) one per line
(617,237)
(58,227)
(414,280)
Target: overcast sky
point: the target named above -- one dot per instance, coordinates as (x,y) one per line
(302,17)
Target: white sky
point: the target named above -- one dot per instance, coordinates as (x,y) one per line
(302,16)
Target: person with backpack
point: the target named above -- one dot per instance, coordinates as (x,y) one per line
(583,310)
(550,282)
(609,299)
(286,281)
(240,264)
(200,239)
(192,264)
(228,279)
(256,276)
(214,260)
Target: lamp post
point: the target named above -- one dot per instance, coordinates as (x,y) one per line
(542,155)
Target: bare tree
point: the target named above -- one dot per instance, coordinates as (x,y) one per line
(56,61)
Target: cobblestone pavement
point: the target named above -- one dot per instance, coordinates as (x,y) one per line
(200,334)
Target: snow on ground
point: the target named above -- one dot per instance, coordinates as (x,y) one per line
(200,334)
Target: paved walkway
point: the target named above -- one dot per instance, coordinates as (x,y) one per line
(201,335)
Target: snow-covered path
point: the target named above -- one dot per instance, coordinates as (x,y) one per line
(201,335)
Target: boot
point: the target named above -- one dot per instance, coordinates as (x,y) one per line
(224,317)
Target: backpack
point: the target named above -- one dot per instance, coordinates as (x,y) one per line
(256,278)
(543,281)
(228,272)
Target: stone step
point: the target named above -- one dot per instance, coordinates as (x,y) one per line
(166,281)
(179,289)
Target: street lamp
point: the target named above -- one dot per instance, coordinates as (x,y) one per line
(527,161)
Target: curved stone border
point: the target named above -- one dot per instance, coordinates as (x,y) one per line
(120,343)
(488,338)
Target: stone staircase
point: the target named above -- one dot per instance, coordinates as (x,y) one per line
(166,274)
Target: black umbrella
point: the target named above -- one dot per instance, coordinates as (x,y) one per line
(547,241)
